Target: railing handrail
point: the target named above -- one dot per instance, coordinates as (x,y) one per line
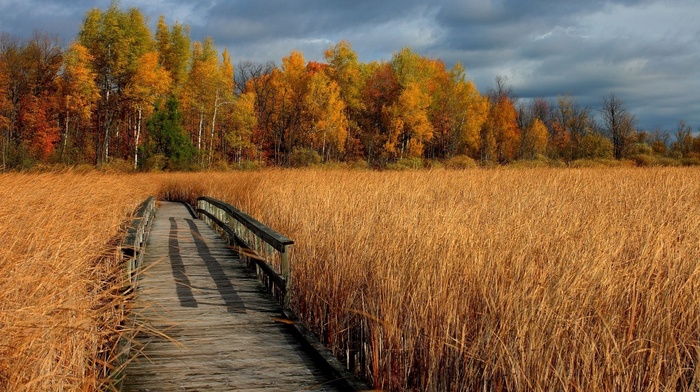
(138,222)
(132,248)
(248,237)
(135,238)
(275,239)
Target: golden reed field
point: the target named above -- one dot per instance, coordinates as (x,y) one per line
(60,289)
(499,279)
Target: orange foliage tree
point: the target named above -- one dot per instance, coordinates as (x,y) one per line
(500,133)
(79,95)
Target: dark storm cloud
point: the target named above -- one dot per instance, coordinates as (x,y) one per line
(646,52)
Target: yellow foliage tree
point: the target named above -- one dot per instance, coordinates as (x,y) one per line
(410,127)
(79,95)
(149,83)
(534,139)
(325,116)
(457,113)
(242,124)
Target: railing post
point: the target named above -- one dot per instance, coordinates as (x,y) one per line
(255,238)
(285,270)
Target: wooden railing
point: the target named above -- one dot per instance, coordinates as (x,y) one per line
(132,246)
(258,244)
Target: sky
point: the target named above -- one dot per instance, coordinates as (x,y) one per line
(646,52)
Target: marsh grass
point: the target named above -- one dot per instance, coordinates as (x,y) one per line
(442,280)
(61,299)
(537,279)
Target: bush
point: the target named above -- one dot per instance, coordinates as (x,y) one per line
(666,161)
(644,160)
(249,165)
(460,162)
(359,164)
(690,161)
(639,149)
(116,165)
(433,164)
(220,165)
(595,146)
(156,163)
(406,163)
(304,157)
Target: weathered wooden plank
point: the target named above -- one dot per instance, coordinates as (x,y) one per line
(222,333)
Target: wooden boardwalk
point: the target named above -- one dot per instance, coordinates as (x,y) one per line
(223,331)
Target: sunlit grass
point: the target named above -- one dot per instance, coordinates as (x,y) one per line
(492,279)
(558,279)
(60,288)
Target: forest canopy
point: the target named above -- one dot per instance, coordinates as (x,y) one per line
(119,90)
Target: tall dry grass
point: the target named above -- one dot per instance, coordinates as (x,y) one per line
(542,279)
(60,298)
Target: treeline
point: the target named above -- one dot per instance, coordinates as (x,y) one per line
(120,93)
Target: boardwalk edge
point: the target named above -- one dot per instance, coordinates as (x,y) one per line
(345,379)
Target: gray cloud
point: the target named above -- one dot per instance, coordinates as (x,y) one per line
(647,52)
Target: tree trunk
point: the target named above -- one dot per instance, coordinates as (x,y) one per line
(136,142)
(65,138)
(213,125)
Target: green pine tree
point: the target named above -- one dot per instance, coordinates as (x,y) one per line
(168,147)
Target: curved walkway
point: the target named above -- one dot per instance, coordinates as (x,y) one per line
(220,330)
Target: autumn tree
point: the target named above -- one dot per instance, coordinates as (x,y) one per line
(500,134)
(239,134)
(325,116)
(148,85)
(684,139)
(380,91)
(534,139)
(344,69)
(79,95)
(116,40)
(409,125)
(39,115)
(10,72)
(281,94)
(256,80)
(203,93)
(173,46)
(5,105)
(659,141)
(457,114)
(618,124)
(30,102)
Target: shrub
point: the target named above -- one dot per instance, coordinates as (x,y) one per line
(220,165)
(690,161)
(155,163)
(116,165)
(667,161)
(644,160)
(359,164)
(460,162)
(406,163)
(304,157)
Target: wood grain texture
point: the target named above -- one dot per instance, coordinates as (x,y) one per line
(223,330)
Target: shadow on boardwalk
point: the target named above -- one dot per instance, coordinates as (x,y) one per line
(220,324)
